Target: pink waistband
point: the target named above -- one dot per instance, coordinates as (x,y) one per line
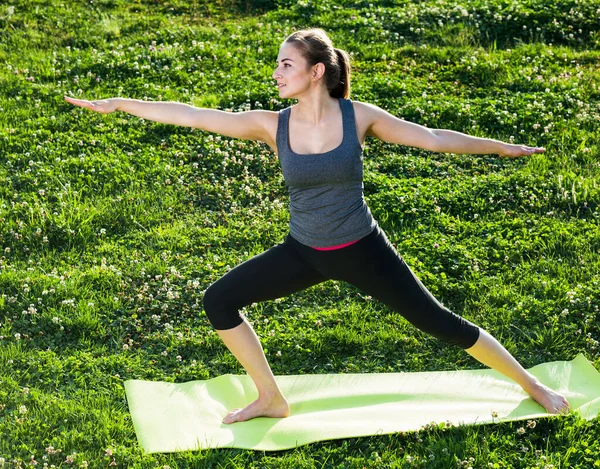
(339,246)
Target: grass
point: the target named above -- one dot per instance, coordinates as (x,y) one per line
(112,227)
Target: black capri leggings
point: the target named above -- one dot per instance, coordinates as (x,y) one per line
(371,264)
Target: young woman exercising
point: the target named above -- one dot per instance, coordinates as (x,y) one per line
(319,143)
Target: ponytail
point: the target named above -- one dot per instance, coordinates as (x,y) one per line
(342,89)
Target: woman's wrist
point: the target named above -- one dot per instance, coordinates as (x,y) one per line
(119,102)
(501,147)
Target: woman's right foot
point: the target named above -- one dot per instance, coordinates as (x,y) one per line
(553,402)
(265,406)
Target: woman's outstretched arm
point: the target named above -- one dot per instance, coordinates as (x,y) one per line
(388,128)
(450,141)
(248,125)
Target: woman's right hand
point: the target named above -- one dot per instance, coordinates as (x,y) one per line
(104,106)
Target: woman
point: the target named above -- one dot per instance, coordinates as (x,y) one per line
(319,143)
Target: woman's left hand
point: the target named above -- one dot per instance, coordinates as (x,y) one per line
(519,150)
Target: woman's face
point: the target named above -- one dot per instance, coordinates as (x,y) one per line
(292,74)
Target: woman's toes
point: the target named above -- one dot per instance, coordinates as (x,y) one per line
(230,417)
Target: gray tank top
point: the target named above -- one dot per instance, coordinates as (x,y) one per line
(327,207)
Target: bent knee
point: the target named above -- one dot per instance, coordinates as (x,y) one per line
(219,309)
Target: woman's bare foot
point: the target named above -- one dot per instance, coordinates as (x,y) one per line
(265,406)
(553,402)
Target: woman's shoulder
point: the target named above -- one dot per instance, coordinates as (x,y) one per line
(269,121)
(365,108)
(364,113)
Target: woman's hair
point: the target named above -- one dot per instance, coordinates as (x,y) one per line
(315,46)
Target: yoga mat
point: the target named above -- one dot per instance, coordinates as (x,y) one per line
(172,417)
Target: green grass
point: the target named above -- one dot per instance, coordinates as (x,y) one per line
(112,227)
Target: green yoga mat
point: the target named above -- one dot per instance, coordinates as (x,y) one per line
(172,417)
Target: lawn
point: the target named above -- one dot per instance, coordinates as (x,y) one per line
(112,226)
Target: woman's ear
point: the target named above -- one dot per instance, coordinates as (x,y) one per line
(318,71)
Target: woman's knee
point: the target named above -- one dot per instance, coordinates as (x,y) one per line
(221,314)
(454,329)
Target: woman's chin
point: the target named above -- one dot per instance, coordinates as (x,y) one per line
(284,93)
